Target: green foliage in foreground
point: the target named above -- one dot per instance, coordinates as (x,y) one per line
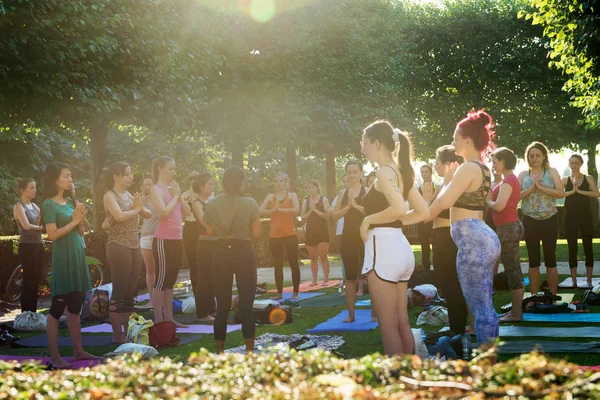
(308,375)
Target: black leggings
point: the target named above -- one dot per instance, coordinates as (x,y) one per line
(444,261)
(546,231)
(32,261)
(290,244)
(424,230)
(202,277)
(574,224)
(234,257)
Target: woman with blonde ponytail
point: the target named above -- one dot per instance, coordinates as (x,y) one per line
(389,261)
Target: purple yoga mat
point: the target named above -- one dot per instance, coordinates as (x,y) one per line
(196,328)
(43,360)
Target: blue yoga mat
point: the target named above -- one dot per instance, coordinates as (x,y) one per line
(363,303)
(561,317)
(535,331)
(362,324)
(302,295)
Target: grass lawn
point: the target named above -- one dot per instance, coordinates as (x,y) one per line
(356,344)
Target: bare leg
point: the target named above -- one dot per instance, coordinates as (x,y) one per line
(52,332)
(361,286)
(220,345)
(516,313)
(75,334)
(158,301)
(249,345)
(385,301)
(116,321)
(589,272)
(552,277)
(534,279)
(324,256)
(574,277)
(350,299)
(406,335)
(169,308)
(149,263)
(314,264)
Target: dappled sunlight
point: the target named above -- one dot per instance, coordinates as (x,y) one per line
(259,10)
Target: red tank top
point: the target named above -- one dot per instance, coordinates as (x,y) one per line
(282,223)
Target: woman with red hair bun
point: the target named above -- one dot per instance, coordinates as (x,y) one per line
(465,195)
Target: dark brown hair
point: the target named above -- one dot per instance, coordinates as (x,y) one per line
(115,169)
(541,147)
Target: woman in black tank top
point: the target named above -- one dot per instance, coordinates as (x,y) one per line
(580,189)
(314,212)
(389,260)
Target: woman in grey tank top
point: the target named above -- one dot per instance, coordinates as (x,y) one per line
(31,250)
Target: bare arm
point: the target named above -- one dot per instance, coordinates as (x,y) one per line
(325,209)
(502,199)
(558,191)
(185,208)
(419,208)
(338,212)
(146,214)
(306,211)
(164,210)
(593,188)
(526,192)
(295,205)
(112,206)
(459,183)
(55,233)
(386,183)
(263,211)
(19,214)
(565,180)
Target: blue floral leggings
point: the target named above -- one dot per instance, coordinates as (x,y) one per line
(478,251)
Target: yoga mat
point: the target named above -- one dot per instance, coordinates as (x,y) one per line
(363,303)
(328,300)
(526,346)
(194,328)
(564,297)
(535,331)
(301,295)
(143,297)
(305,287)
(581,283)
(43,360)
(362,324)
(63,341)
(562,317)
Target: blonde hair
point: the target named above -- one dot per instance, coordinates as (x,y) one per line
(315,183)
(285,177)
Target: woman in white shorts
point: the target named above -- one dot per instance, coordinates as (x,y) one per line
(389,260)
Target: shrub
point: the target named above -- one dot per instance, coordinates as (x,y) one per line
(306,375)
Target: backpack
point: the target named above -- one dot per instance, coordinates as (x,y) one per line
(162,334)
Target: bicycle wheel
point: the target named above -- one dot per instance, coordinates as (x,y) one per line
(15,285)
(96,275)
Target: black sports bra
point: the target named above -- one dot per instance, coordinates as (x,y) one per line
(374,202)
(475,200)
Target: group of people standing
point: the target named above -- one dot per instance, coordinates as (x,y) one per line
(214,234)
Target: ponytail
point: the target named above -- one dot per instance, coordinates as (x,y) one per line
(404,162)
(157,163)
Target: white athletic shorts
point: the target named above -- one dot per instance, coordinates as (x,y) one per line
(388,253)
(146,242)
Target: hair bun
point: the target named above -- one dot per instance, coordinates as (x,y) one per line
(483,117)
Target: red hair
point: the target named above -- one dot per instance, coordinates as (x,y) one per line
(478,127)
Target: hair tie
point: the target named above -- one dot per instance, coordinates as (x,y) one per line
(396,135)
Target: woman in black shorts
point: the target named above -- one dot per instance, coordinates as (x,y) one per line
(352,251)
(314,213)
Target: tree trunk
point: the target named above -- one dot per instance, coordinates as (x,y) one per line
(330,174)
(591,153)
(291,167)
(98,154)
(237,154)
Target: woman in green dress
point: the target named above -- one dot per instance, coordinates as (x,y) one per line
(70,279)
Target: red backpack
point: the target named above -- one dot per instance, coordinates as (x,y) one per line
(163,334)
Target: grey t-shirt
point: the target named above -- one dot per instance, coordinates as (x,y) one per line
(231,215)
(150,225)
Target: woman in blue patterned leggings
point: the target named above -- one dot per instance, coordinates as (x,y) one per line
(478,245)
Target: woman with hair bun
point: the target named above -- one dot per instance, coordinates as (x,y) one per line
(465,195)
(123,246)
(314,212)
(31,250)
(389,260)
(233,218)
(579,190)
(282,206)
(540,187)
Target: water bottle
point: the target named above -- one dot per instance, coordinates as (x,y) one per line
(467,347)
